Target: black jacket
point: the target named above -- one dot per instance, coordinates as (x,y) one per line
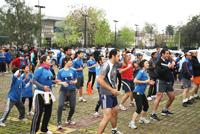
(151,69)
(163,72)
(195,66)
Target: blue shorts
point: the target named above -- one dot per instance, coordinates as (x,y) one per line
(108,101)
(128,85)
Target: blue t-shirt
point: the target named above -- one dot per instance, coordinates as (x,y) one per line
(8,57)
(27,91)
(77,63)
(44,77)
(142,76)
(67,76)
(91,63)
(15,92)
(97,74)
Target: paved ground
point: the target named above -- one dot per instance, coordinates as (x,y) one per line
(184,120)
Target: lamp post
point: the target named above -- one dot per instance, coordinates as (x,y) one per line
(115,32)
(85,29)
(136,35)
(40,21)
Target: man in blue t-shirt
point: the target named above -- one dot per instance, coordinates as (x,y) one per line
(91,63)
(68,79)
(78,66)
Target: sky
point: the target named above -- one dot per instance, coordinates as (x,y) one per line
(128,12)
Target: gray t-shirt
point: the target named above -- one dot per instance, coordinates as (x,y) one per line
(110,72)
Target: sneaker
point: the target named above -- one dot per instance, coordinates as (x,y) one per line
(154,117)
(189,102)
(115,132)
(48,132)
(166,112)
(81,99)
(96,114)
(144,121)
(31,113)
(132,125)
(121,107)
(69,122)
(2,124)
(59,127)
(149,99)
(184,104)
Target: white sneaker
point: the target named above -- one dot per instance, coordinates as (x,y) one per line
(49,132)
(132,125)
(2,124)
(144,121)
(149,99)
(96,114)
(121,107)
(59,127)
(69,122)
(81,99)
(31,113)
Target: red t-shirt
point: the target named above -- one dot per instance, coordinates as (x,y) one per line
(16,62)
(128,74)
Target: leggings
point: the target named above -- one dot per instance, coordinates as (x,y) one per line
(98,102)
(141,102)
(30,102)
(91,75)
(119,80)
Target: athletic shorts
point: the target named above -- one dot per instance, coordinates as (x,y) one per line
(80,82)
(196,80)
(163,86)
(108,101)
(128,85)
(186,83)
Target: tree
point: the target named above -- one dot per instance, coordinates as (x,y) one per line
(18,22)
(126,37)
(190,33)
(97,32)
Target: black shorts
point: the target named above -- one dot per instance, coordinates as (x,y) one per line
(186,83)
(80,82)
(128,85)
(163,86)
(108,101)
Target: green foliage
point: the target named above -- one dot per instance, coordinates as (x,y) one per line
(103,33)
(170,30)
(98,30)
(126,37)
(18,22)
(149,28)
(190,33)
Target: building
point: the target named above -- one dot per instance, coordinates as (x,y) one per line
(48,24)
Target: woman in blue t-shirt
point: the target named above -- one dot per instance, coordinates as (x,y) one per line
(67,78)
(43,97)
(27,92)
(141,81)
(91,63)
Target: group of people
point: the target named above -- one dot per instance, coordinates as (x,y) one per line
(134,75)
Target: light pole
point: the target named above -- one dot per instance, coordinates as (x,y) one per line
(40,21)
(115,44)
(85,29)
(136,34)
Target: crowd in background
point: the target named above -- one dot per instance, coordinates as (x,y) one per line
(115,70)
